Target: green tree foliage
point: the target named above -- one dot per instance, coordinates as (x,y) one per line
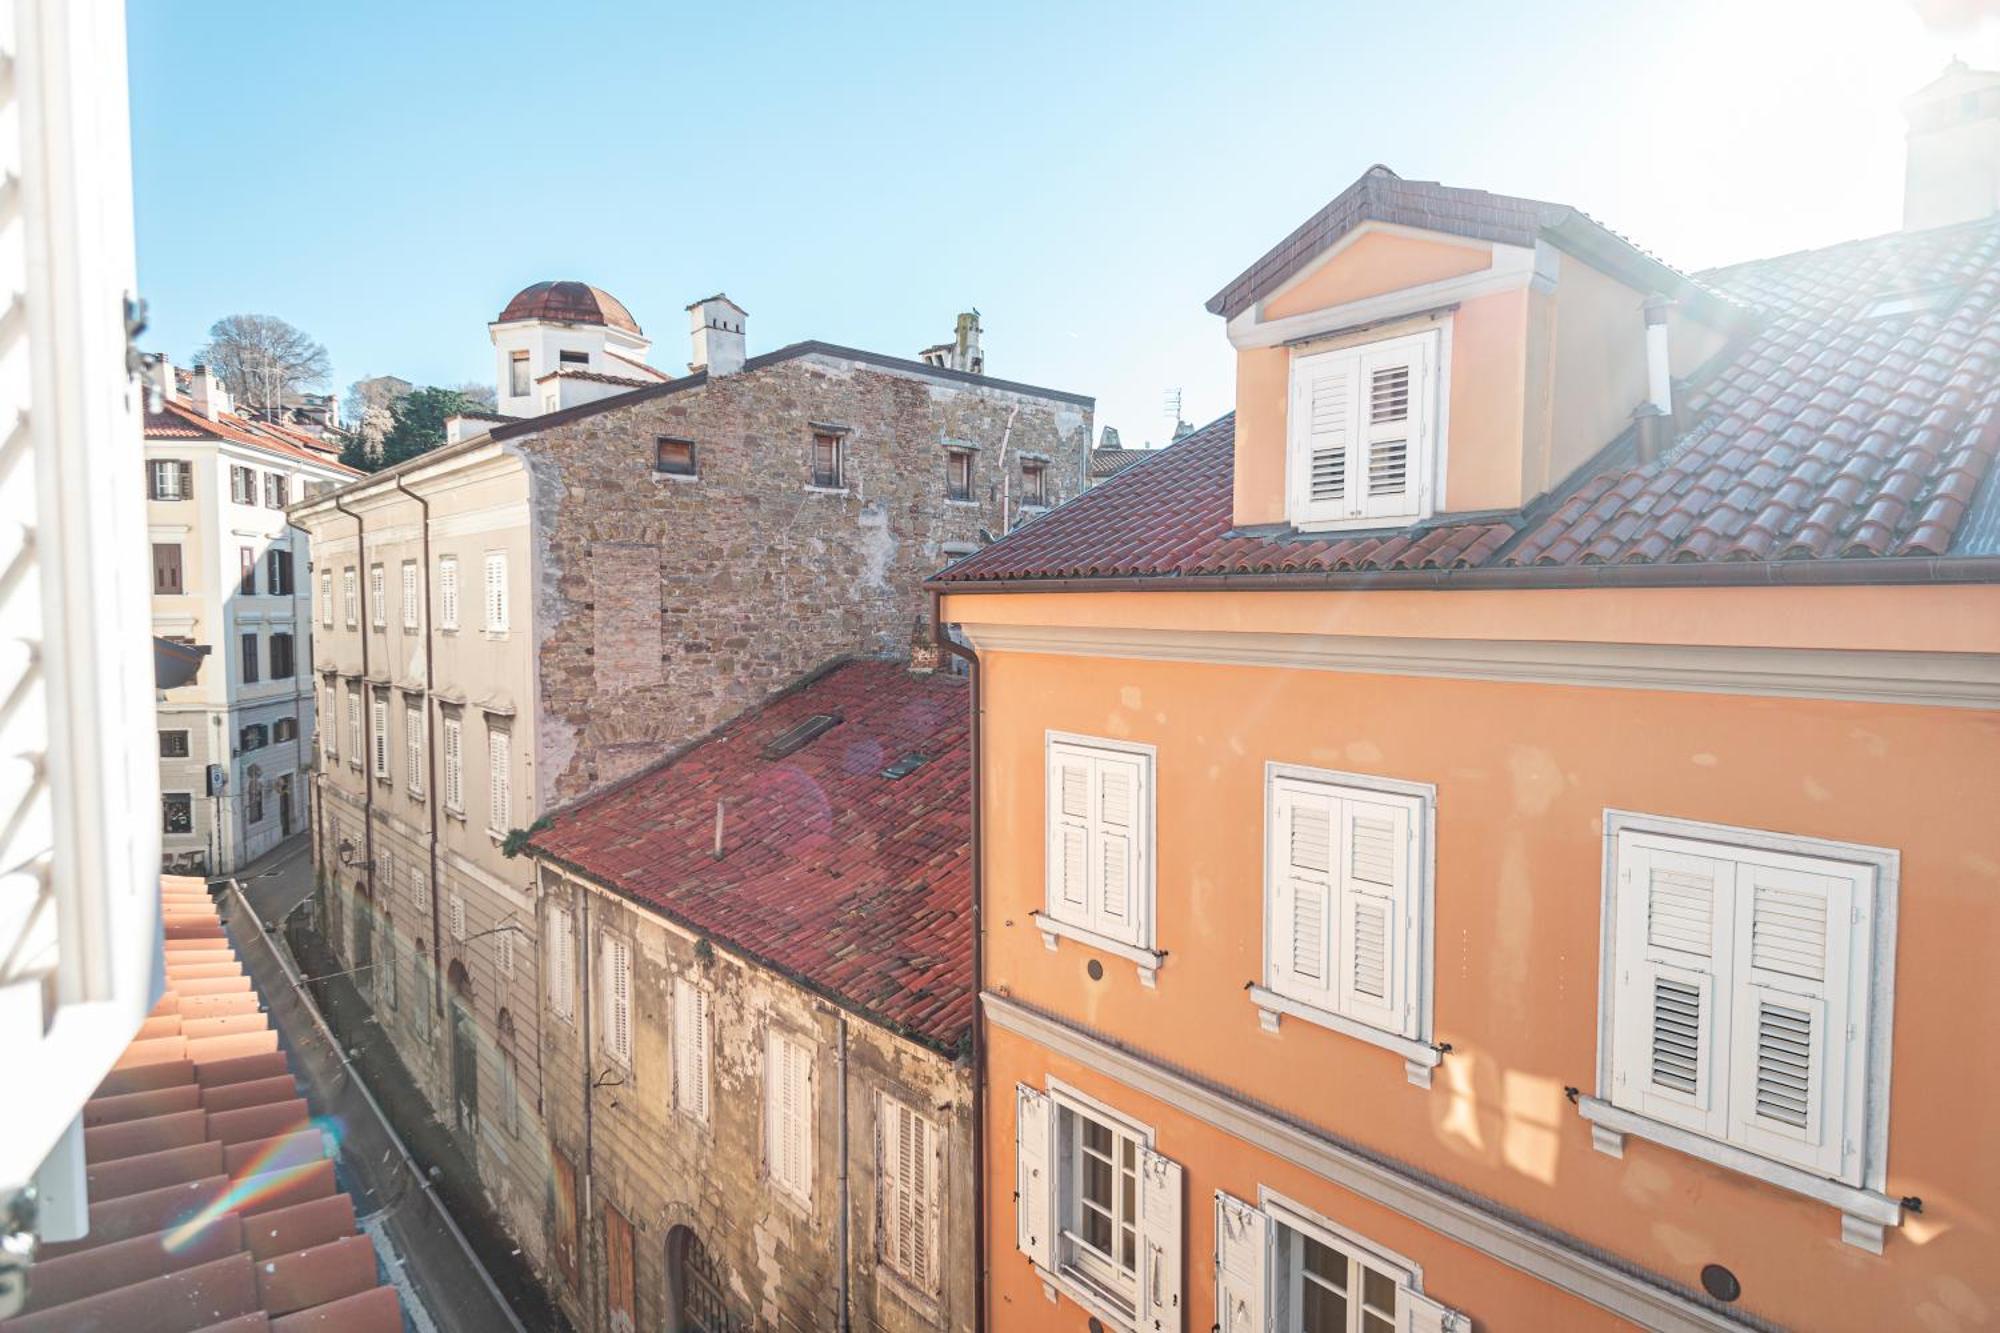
(416,427)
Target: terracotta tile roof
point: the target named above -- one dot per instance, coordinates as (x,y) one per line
(856,884)
(179,421)
(1110,462)
(1842,426)
(569,303)
(213,1203)
(594,377)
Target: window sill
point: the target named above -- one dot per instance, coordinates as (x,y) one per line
(1149,960)
(450,813)
(1092,1297)
(1419,1057)
(826,490)
(1864,1213)
(658,475)
(960,504)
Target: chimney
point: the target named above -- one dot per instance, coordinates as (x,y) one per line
(716,326)
(965,353)
(159,381)
(207,394)
(1951,170)
(1656,415)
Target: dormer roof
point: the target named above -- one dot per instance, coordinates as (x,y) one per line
(1380,195)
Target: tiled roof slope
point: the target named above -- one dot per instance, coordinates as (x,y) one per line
(179,421)
(1110,462)
(856,884)
(213,1205)
(1830,431)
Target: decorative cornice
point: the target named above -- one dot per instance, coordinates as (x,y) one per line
(1950,680)
(1561,1261)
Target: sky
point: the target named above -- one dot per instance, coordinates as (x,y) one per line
(386,176)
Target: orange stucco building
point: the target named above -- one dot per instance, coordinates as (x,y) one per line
(1498,831)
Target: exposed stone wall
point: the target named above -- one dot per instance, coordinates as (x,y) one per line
(779,1261)
(759,576)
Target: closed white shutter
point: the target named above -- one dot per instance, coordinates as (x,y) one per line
(1305,842)
(1242,1266)
(907,1164)
(354,725)
(1394,429)
(1159,1242)
(1428,1316)
(456,907)
(349,596)
(378,614)
(1117,846)
(496,591)
(1375,911)
(329,724)
(326,598)
(562,963)
(500,788)
(454,763)
(1034,1188)
(1674,939)
(1069,834)
(448,592)
(420,888)
(503,951)
(691,1047)
(409,594)
(413,748)
(788,1115)
(379,718)
(1789,1069)
(1325,408)
(618,999)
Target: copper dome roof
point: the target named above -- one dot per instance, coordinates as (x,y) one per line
(569,303)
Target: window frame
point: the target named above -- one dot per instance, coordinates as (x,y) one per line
(1035,496)
(1064,1162)
(777,1037)
(959,459)
(703,1062)
(1430,356)
(411,584)
(186,743)
(499,779)
(818,480)
(562,963)
(520,382)
(177,566)
(615,955)
(451,727)
(1274,1001)
(693,469)
(157,472)
(1143,949)
(249,648)
(1866,1207)
(283,652)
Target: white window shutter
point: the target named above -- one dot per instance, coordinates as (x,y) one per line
(500,782)
(448,592)
(618,999)
(409,595)
(496,591)
(1242,1266)
(1673,941)
(1069,824)
(1034,1192)
(379,716)
(1428,1316)
(454,763)
(1117,845)
(1304,910)
(1159,1242)
(1395,425)
(326,598)
(1791,1010)
(1376,909)
(1326,411)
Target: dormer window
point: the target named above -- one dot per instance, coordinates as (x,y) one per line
(1363,446)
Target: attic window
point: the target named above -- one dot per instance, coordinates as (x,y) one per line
(1363,440)
(573,358)
(1910,303)
(905,766)
(800,735)
(675,457)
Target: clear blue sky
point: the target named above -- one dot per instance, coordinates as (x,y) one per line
(385,176)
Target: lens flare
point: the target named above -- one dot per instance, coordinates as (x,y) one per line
(286,1159)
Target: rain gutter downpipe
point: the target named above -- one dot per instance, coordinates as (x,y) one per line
(367,775)
(951,646)
(433,795)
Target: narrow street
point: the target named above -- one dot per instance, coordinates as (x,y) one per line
(422,1251)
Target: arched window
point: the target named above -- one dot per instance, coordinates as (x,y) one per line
(696,1296)
(510,1077)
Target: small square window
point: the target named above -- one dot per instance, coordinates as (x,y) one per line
(828,460)
(1034,483)
(573,358)
(177,812)
(173,745)
(674,457)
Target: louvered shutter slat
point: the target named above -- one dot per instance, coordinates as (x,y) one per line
(1376,870)
(1034,1196)
(1160,1185)
(1242,1266)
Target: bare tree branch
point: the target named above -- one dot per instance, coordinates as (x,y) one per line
(263,361)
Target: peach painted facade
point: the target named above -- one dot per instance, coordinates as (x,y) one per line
(1469,1149)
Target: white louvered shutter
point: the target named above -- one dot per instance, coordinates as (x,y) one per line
(1305,843)
(420,888)
(561,963)
(908,1167)
(496,591)
(1325,407)
(354,745)
(413,748)
(618,999)
(1394,421)
(1673,940)
(1160,1196)
(1117,844)
(379,719)
(456,908)
(1069,834)
(789,1115)
(378,614)
(1242,1266)
(409,595)
(1034,1188)
(454,763)
(1376,916)
(326,598)
(500,782)
(1791,1015)
(503,951)
(448,592)
(329,723)
(1428,1316)
(348,596)
(691,1047)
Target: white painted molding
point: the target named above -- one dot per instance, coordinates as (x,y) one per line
(1947,680)
(1563,1263)
(1419,1058)
(1148,960)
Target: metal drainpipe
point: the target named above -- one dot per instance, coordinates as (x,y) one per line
(840,1017)
(971,659)
(367,775)
(581,945)
(431,793)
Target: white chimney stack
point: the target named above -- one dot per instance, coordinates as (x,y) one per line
(965,353)
(1951,170)
(715,325)
(1656,415)
(207,394)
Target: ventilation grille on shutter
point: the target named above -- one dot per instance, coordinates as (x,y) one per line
(1371,948)
(1388,404)
(1329,436)
(1312,838)
(1308,931)
(1074,890)
(1389,395)
(1677,1020)
(1680,911)
(1374,852)
(1388,467)
(1117,797)
(1788,932)
(1784,1063)
(1075,792)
